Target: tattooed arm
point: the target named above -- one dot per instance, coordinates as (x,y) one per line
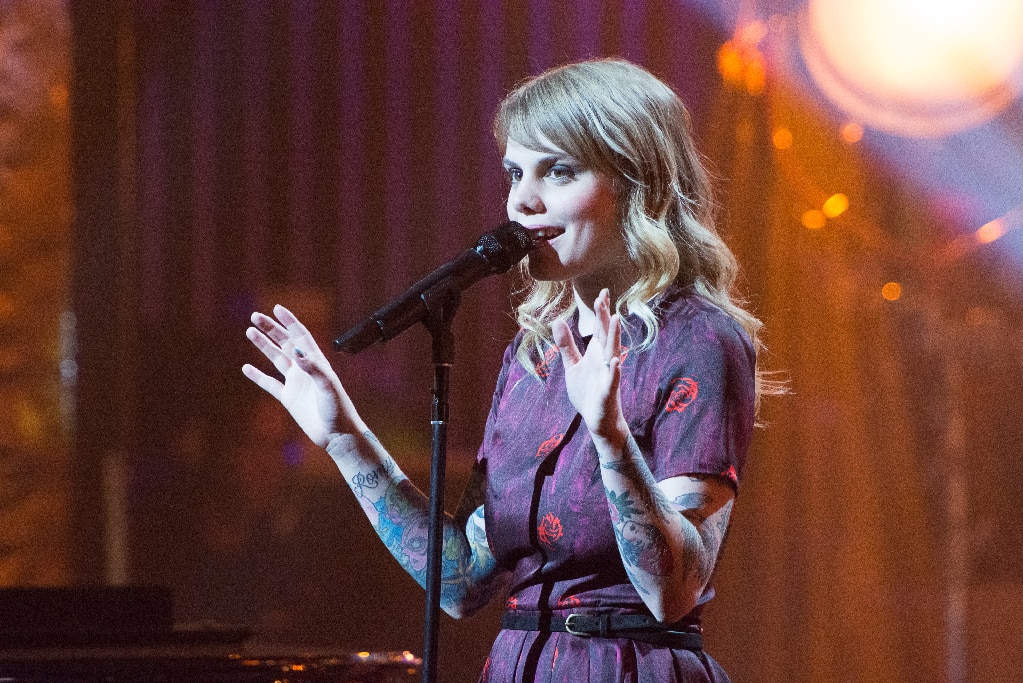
(399,513)
(669,533)
(313,395)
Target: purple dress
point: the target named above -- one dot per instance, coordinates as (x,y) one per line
(688,400)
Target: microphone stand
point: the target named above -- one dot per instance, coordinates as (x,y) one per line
(441,304)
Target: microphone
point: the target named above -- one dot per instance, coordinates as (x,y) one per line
(495,252)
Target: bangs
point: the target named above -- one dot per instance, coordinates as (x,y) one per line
(551,112)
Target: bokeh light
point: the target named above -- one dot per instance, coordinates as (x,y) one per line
(814,219)
(836,205)
(892,291)
(782,138)
(991,231)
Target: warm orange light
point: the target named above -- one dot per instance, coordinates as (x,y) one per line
(836,205)
(756,76)
(814,219)
(991,231)
(892,291)
(852,133)
(782,138)
(730,63)
(740,62)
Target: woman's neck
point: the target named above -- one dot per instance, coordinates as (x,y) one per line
(587,291)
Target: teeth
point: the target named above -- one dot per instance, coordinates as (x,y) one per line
(546,233)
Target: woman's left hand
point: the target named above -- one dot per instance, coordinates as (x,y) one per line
(593,378)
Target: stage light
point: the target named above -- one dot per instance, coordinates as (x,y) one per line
(892,291)
(919,68)
(836,205)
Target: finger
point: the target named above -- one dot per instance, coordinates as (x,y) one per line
(298,333)
(270,328)
(263,381)
(601,311)
(318,368)
(615,366)
(269,349)
(614,348)
(566,344)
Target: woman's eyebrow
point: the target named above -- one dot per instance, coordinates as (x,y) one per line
(546,160)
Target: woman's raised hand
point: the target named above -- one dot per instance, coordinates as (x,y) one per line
(593,378)
(311,391)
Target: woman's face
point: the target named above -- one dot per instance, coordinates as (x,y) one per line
(571,210)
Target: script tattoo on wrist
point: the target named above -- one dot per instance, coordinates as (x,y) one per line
(360,482)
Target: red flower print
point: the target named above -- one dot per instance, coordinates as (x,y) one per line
(731,474)
(568,601)
(683,392)
(624,354)
(512,602)
(543,368)
(549,445)
(549,530)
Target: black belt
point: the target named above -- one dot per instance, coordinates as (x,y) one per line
(635,626)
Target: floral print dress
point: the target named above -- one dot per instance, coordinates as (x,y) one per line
(688,400)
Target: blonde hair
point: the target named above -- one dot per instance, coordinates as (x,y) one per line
(622,121)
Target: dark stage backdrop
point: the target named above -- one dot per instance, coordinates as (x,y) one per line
(324,155)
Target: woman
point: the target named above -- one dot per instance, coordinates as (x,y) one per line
(623,410)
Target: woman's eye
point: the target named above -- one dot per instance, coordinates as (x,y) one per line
(514,175)
(561,172)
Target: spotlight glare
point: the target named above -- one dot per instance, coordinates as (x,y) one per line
(915,67)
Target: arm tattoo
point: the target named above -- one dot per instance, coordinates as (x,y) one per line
(399,513)
(635,511)
(651,497)
(642,515)
(468,569)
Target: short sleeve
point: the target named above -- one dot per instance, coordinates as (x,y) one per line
(705,400)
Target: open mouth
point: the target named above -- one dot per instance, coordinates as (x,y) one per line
(542,234)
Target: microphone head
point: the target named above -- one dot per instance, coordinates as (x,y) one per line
(504,246)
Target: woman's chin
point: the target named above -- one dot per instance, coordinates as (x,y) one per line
(544,269)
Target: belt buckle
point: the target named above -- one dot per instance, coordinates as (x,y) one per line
(569,629)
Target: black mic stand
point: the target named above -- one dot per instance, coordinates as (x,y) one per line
(441,304)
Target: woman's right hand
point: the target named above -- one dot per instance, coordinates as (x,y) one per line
(311,391)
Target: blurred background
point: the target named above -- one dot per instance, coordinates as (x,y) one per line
(168,167)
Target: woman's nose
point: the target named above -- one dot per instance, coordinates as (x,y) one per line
(524,198)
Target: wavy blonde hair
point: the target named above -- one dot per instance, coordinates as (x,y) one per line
(622,121)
